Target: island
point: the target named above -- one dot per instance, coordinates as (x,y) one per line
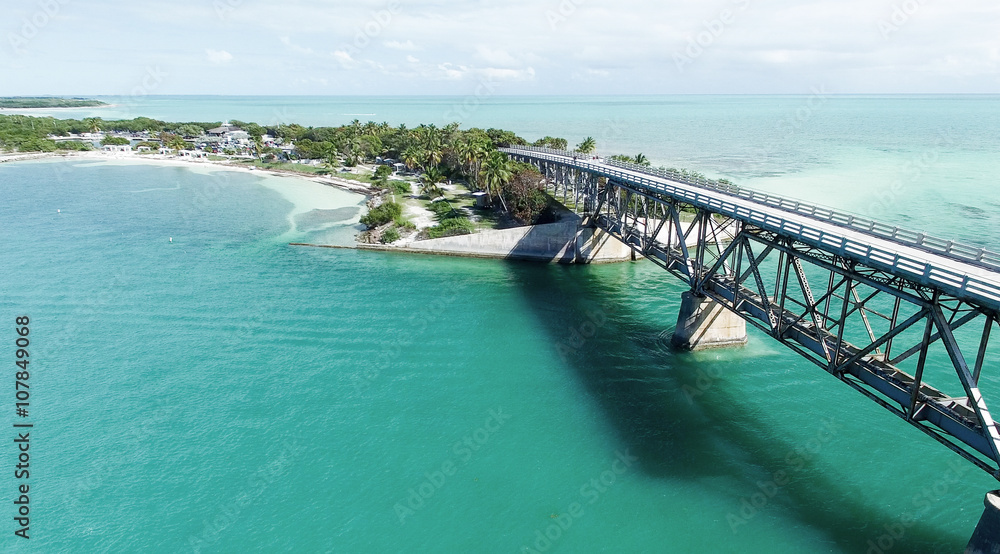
(424,183)
(36,102)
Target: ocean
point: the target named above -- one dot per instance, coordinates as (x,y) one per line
(198,385)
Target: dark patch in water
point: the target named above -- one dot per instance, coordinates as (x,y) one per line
(971,211)
(643,389)
(317,219)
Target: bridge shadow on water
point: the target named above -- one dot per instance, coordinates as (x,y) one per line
(649,394)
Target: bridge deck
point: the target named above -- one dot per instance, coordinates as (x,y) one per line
(962,279)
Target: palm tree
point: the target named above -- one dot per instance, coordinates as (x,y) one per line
(412,157)
(471,153)
(434,156)
(466,152)
(497,172)
(258,145)
(177,143)
(587,146)
(430,181)
(329,152)
(640,159)
(94,123)
(353,146)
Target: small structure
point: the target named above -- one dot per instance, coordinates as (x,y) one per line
(482,200)
(222,131)
(117,148)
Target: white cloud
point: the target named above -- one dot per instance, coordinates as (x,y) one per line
(500,74)
(407,46)
(218,57)
(296,48)
(780,46)
(452,72)
(496,57)
(345,59)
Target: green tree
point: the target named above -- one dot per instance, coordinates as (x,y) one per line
(115,141)
(524,195)
(94,124)
(430,181)
(587,146)
(382,174)
(412,157)
(190,131)
(497,172)
(329,153)
(177,143)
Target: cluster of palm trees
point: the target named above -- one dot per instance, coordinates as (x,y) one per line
(436,153)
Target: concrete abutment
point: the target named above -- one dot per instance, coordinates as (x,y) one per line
(986,539)
(702,323)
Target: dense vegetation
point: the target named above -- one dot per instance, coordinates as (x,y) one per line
(436,154)
(48,102)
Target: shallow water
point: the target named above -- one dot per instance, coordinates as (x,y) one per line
(226,392)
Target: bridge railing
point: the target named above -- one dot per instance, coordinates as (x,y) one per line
(921,271)
(980,257)
(553,151)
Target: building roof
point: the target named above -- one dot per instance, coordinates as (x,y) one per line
(224,129)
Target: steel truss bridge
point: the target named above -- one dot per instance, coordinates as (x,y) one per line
(882,309)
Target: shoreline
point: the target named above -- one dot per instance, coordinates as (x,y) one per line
(164,160)
(538,243)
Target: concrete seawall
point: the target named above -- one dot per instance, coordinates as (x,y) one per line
(565,242)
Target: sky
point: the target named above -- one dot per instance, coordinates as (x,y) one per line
(516,47)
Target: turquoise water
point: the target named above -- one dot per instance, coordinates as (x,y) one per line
(199,385)
(918,161)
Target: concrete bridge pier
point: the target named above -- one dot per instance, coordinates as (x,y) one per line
(986,539)
(702,324)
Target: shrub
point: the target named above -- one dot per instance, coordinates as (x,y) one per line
(444,211)
(398,187)
(405,224)
(74,145)
(384,213)
(390,235)
(115,141)
(450,228)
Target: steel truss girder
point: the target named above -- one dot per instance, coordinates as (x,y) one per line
(964,425)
